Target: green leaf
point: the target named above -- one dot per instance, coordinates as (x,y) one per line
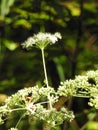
(23,22)
(5,6)
(92,125)
(73,7)
(10,45)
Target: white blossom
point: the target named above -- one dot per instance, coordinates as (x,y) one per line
(41,40)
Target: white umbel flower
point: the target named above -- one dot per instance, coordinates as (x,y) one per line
(41,40)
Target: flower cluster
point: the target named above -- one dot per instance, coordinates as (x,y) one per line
(93,75)
(75,87)
(33,102)
(94,101)
(51,116)
(41,40)
(83,86)
(93,79)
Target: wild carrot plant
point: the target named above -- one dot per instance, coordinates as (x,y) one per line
(39,103)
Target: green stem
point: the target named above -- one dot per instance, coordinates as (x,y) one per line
(44,65)
(19,121)
(46,78)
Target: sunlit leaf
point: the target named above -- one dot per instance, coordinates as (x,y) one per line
(33,15)
(5,6)
(6,20)
(92,125)
(22,22)
(73,7)
(10,45)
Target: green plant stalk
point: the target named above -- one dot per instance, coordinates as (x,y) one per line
(44,66)
(46,77)
(45,127)
(19,121)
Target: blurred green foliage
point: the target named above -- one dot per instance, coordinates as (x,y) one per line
(76,20)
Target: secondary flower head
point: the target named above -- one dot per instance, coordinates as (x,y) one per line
(41,40)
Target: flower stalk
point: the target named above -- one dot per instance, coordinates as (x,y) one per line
(46,77)
(44,66)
